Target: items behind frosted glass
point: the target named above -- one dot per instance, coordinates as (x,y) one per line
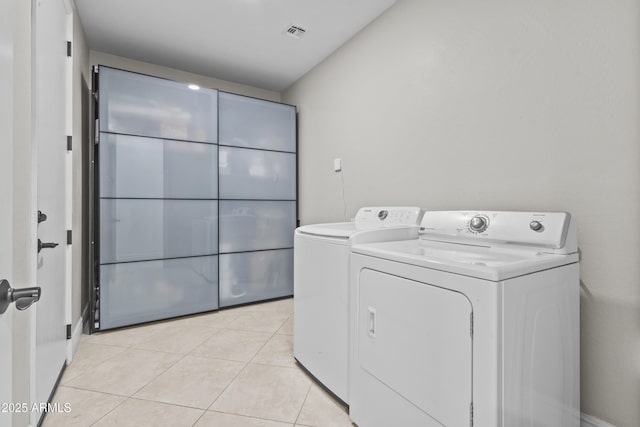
(255,276)
(137,104)
(144,291)
(132,166)
(255,123)
(138,229)
(256,174)
(256,225)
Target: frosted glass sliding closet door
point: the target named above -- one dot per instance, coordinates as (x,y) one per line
(257,178)
(195,203)
(158,200)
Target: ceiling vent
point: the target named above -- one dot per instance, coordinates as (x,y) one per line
(295,32)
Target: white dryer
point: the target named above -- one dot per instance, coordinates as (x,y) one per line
(321,291)
(475,323)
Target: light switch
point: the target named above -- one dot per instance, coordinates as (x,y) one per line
(337,165)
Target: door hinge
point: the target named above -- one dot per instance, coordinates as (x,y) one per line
(69,49)
(69,236)
(68,332)
(95,80)
(69,145)
(471,413)
(471,324)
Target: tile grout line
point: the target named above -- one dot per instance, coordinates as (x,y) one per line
(131,397)
(306,396)
(110,411)
(194,407)
(267,341)
(93,366)
(139,399)
(183,356)
(252,417)
(171,352)
(245,366)
(228,384)
(227,360)
(156,377)
(263,331)
(199,418)
(98,392)
(251,361)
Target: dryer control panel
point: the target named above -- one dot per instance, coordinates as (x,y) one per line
(552,230)
(377,217)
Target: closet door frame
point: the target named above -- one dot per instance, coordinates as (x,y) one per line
(94,194)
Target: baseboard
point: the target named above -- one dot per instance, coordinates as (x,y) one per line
(591,421)
(74,342)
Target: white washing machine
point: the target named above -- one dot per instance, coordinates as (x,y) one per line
(475,323)
(321,291)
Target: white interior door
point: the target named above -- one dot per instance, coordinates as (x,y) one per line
(6,198)
(50,106)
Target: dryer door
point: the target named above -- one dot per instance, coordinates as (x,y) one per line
(415,338)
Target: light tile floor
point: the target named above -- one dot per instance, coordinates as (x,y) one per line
(232,368)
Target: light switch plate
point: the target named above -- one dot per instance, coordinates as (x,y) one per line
(337,165)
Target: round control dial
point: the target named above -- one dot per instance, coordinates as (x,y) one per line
(535,225)
(478,224)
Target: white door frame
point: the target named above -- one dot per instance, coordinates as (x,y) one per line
(18,194)
(48,109)
(69,180)
(6,199)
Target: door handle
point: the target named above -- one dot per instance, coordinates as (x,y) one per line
(23,297)
(372,322)
(42,246)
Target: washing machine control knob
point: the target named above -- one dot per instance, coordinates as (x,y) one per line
(478,224)
(535,225)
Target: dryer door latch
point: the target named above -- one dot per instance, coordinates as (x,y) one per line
(372,322)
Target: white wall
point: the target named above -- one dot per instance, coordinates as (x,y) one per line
(499,104)
(100,58)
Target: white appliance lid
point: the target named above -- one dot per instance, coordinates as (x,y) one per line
(367,218)
(483,262)
(340,230)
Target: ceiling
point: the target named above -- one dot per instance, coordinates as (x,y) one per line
(243,41)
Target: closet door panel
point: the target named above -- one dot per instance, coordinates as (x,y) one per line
(136,104)
(256,174)
(256,225)
(255,276)
(255,123)
(138,167)
(138,292)
(138,229)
